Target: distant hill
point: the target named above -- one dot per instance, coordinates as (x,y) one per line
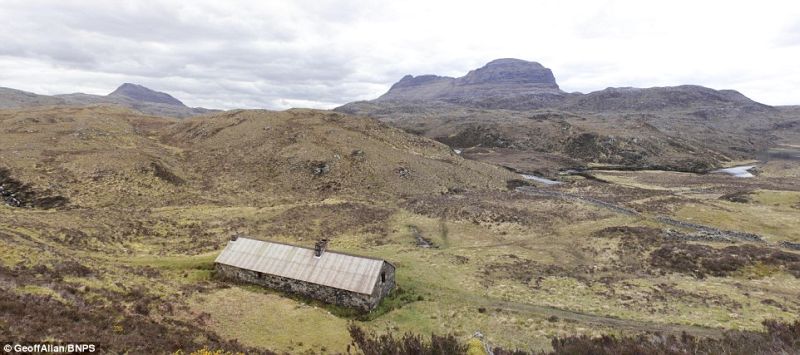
(13,98)
(143,94)
(128,95)
(660,99)
(512,112)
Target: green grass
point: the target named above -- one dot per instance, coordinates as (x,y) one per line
(789,199)
(271,321)
(758,271)
(179,263)
(775,223)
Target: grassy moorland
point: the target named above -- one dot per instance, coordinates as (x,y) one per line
(125,254)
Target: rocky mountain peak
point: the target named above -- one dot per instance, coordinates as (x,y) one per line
(141,93)
(511,71)
(498,83)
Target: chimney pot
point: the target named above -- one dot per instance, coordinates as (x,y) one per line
(319,247)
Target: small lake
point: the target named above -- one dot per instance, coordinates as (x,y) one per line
(737,171)
(540,179)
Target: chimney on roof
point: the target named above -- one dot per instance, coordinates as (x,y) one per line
(319,247)
(234,237)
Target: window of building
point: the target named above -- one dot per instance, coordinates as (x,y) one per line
(383,277)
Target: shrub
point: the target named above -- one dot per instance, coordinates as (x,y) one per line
(388,344)
(702,260)
(778,338)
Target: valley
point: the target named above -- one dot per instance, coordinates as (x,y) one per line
(143,205)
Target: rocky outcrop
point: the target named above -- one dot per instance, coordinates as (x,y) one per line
(706,233)
(14,193)
(789,245)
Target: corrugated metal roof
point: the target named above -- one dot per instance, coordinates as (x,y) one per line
(347,272)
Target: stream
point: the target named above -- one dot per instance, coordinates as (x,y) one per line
(540,179)
(737,171)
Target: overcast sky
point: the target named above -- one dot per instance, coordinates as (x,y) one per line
(295,53)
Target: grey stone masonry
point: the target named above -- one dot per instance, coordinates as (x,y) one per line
(360,301)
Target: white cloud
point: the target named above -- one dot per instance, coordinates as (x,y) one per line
(274,54)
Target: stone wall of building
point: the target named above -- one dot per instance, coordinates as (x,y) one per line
(385,283)
(327,294)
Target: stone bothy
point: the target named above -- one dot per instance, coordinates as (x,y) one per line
(347,280)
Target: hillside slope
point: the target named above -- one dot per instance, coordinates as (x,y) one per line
(319,153)
(103,156)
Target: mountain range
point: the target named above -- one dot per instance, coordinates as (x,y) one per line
(522,85)
(128,95)
(512,112)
